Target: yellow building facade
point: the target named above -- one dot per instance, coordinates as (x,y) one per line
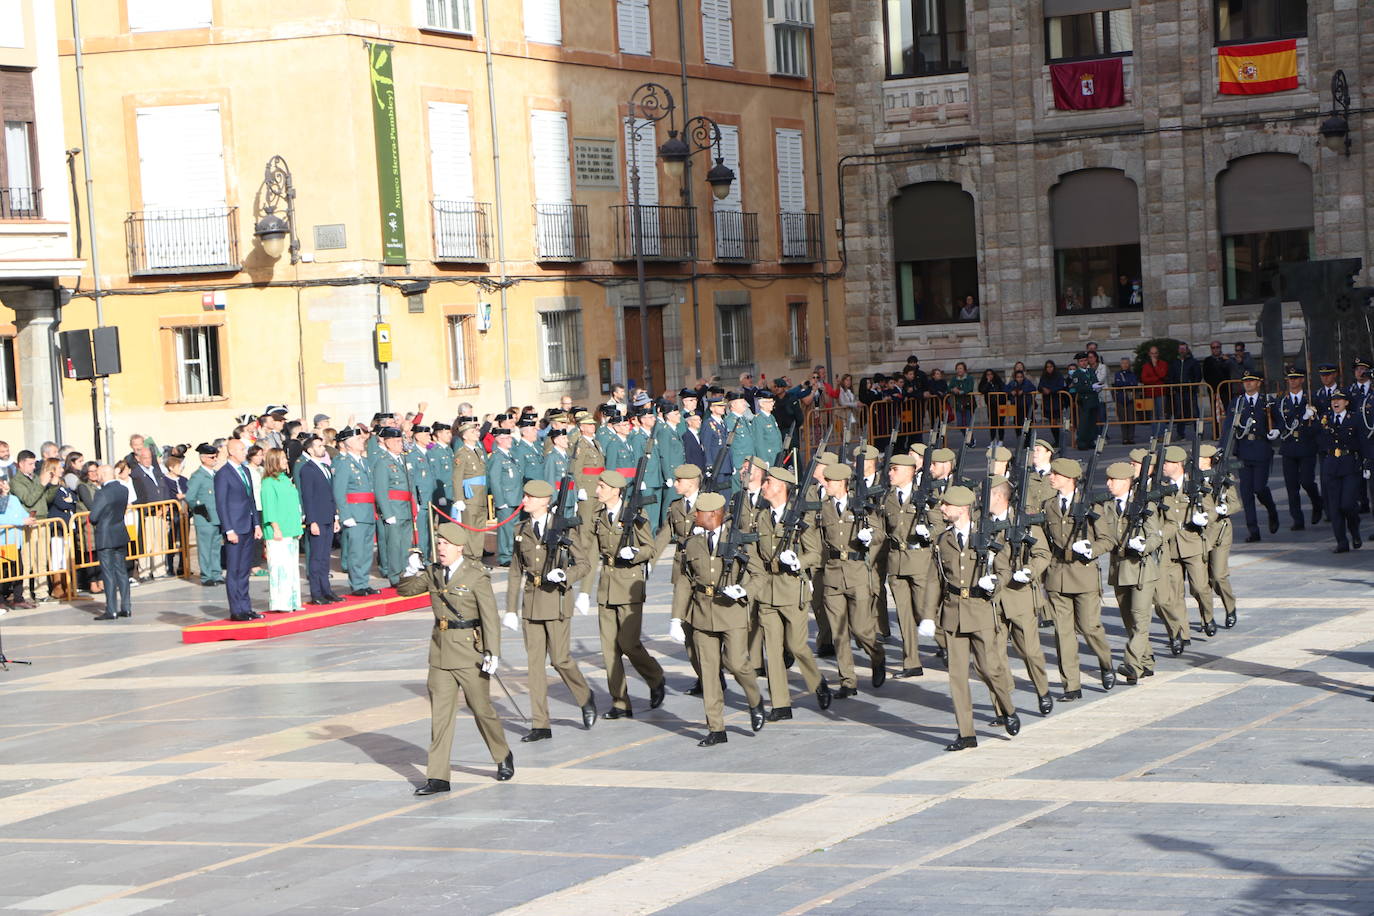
(516,282)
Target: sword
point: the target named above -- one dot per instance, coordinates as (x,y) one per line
(509,697)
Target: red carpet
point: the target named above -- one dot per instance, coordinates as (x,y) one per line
(309,618)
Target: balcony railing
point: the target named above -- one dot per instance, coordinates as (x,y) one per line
(560,232)
(670,233)
(737,237)
(182,241)
(461,231)
(801,237)
(21,203)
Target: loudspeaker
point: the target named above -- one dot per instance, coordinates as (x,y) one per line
(106,343)
(76,354)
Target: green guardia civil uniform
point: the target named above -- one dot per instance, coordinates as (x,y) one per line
(422,489)
(395,514)
(505,478)
(767,437)
(668,454)
(357,503)
(200,500)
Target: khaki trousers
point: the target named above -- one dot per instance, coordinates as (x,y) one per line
(1195,569)
(914,604)
(1171,610)
(877,585)
(1219,574)
(1135,602)
(786,628)
(1025,636)
(728,647)
(990,659)
(1074,616)
(444,684)
(850,614)
(551,639)
(823,635)
(620,639)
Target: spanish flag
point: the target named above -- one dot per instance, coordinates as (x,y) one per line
(1270,66)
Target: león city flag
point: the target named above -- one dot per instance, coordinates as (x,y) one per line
(1270,66)
(1088,84)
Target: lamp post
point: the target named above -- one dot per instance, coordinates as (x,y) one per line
(271,230)
(649,104)
(1335,130)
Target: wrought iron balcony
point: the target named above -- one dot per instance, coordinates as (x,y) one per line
(737,237)
(182,241)
(800,238)
(21,203)
(461,231)
(560,232)
(670,233)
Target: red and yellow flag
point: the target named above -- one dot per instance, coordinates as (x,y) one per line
(1270,66)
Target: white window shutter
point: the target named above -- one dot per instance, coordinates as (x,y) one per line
(632,20)
(729,150)
(450,150)
(549,140)
(717,32)
(730,240)
(645,153)
(544,21)
(791,171)
(11,24)
(164,15)
(181,157)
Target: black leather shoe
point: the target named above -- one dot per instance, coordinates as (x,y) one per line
(941,654)
(1108,678)
(823,695)
(1013,724)
(1299,526)
(335,599)
(910,672)
(615,712)
(998,722)
(1316,513)
(1176,645)
(695,689)
(1127,677)
(879,668)
(757,717)
(712,739)
(845,692)
(316,602)
(1046,704)
(1068,696)
(788,659)
(364,592)
(1340,550)
(1355,541)
(1273,523)
(589,714)
(506,768)
(433,787)
(537,734)
(126,613)
(1210,628)
(1046,623)
(656,695)
(107,616)
(1230,619)
(962,744)
(779,713)
(1252,539)
(825,651)
(760,672)
(1148,672)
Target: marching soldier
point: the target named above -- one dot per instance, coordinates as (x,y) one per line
(911,571)
(1330,381)
(1015,600)
(969,622)
(200,500)
(825,643)
(505,477)
(1339,440)
(357,502)
(1220,499)
(676,529)
(396,533)
(1295,417)
(845,540)
(470,485)
(539,590)
(620,595)
(718,612)
(1251,410)
(421,481)
(877,585)
(1187,555)
(464,652)
(1133,570)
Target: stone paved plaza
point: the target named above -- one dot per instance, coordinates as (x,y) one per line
(138,774)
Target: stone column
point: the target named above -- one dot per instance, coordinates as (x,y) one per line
(35,314)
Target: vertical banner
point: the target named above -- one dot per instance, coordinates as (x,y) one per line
(388,153)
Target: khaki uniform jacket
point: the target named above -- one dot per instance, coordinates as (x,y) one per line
(906,554)
(972,614)
(586,453)
(467,596)
(1126,568)
(1038,490)
(1187,541)
(1219,525)
(774,583)
(1069,573)
(621,581)
(468,463)
(839,545)
(1019,597)
(707,609)
(526,592)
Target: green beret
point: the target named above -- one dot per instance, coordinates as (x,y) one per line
(1138,454)
(958,496)
(1208,450)
(687,472)
(904,461)
(870,453)
(613,479)
(1001,453)
(942,454)
(710,502)
(1176,453)
(1066,467)
(999,480)
(455,535)
(783,474)
(1045,444)
(838,472)
(1120,470)
(538,488)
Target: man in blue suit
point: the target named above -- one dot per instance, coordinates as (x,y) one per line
(242,527)
(112,543)
(315,481)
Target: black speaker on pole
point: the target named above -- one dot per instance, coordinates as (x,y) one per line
(77,360)
(106,344)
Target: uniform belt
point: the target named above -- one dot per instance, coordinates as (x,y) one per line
(707,590)
(443,623)
(958,591)
(360,498)
(834,554)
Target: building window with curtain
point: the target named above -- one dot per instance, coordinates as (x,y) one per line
(561,344)
(18,175)
(1259,20)
(1095,224)
(1072,35)
(448,16)
(798,347)
(462,352)
(935,249)
(925,37)
(199,375)
(734,343)
(9,376)
(1266,218)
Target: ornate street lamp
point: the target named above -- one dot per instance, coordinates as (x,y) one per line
(272,230)
(1335,130)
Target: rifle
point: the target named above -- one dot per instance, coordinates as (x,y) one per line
(731,550)
(794,516)
(1019,534)
(1080,510)
(983,540)
(712,482)
(1159,487)
(1222,472)
(954,474)
(1138,508)
(632,506)
(874,495)
(1193,485)
(790,446)
(557,526)
(921,495)
(858,488)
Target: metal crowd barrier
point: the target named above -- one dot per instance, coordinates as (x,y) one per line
(159,529)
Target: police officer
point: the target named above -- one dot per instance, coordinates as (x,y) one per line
(356,499)
(505,477)
(1295,417)
(714,434)
(396,532)
(557,461)
(845,540)
(464,652)
(440,458)
(528,450)
(1251,411)
(420,478)
(767,436)
(470,485)
(587,458)
(1340,438)
(200,501)
(668,455)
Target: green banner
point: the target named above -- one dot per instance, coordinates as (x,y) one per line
(388,153)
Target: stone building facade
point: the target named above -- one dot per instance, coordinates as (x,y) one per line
(1219,179)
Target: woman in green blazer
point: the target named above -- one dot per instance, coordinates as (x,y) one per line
(281,531)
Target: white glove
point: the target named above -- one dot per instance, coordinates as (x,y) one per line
(1200,519)
(349,522)
(926,628)
(459,505)
(583,603)
(628,553)
(1084,549)
(670,482)
(1022,575)
(697,529)
(1364,474)
(490,664)
(1223,510)
(510,621)
(581,496)
(675,631)
(790,558)
(734,592)
(921,531)
(988,583)
(865,535)
(1137,544)
(557,576)
(1273,434)
(1309,413)
(414,564)
(390,519)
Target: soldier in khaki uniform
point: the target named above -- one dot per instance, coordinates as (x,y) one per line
(1219,534)
(877,582)
(1074,582)
(1016,598)
(971,625)
(719,615)
(825,643)
(470,485)
(1133,570)
(1187,553)
(845,542)
(777,579)
(907,531)
(678,524)
(1038,490)
(464,651)
(585,457)
(620,595)
(538,590)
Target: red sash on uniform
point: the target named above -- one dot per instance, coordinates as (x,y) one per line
(627,473)
(360,498)
(402,495)
(592,470)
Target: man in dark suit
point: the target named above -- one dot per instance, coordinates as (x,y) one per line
(112,542)
(694,450)
(149,487)
(315,480)
(242,527)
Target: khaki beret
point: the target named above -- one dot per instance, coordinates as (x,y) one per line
(838,472)
(1120,470)
(613,479)
(757,462)
(586,418)
(942,454)
(1045,444)
(710,502)
(1138,454)
(1176,453)
(1208,450)
(904,461)
(999,480)
(687,472)
(1001,453)
(827,458)
(1066,467)
(958,496)
(464,427)
(918,448)
(870,453)
(782,474)
(538,488)
(455,535)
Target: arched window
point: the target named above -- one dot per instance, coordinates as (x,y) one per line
(936,252)
(1265,212)
(1095,224)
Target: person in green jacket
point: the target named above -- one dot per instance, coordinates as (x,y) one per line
(764,427)
(353,494)
(742,446)
(420,481)
(200,500)
(668,456)
(1082,383)
(281,531)
(528,449)
(505,483)
(440,458)
(395,508)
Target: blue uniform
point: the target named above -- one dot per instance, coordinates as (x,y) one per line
(713,435)
(1256,456)
(1342,444)
(1298,452)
